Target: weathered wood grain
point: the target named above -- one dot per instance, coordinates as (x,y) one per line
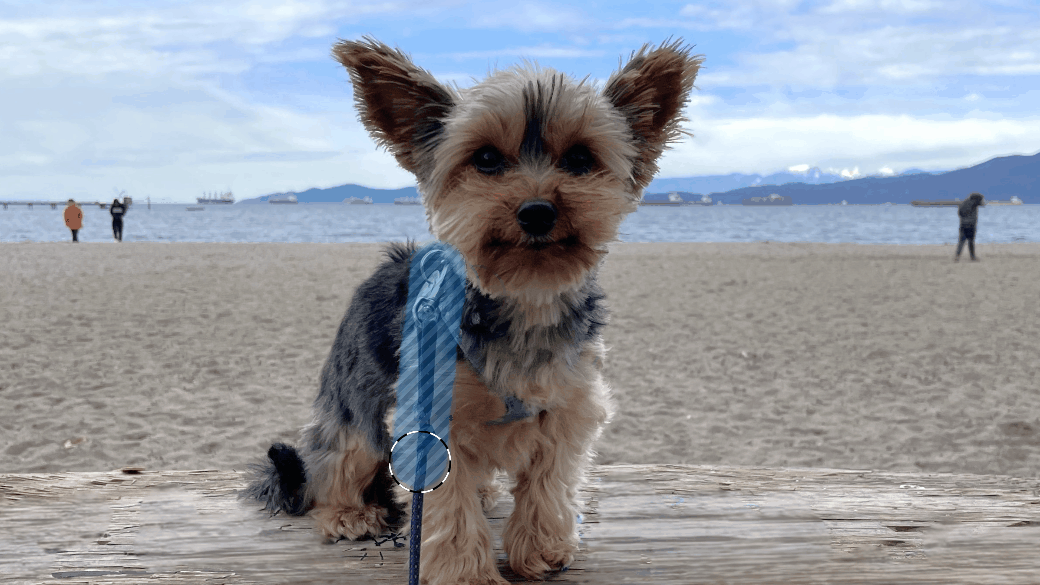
(641,524)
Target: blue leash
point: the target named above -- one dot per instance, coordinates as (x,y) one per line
(420,460)
(414,539)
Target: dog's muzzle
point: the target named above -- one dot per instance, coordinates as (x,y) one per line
(537,217)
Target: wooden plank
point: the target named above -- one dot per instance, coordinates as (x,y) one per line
(641,524)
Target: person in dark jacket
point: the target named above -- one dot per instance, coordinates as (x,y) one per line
(968,211)
(118,210)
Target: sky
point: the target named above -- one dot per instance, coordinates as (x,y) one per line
(173,99)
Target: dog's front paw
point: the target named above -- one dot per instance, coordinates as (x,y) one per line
(452,576)
(459,562)
(489,494)
(532,559)
(351,523)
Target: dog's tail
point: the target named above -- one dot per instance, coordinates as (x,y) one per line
(280,483)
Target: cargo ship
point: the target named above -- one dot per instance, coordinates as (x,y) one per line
(773,199)
(1013,201)
(283,199)
(225,198)
(674,200)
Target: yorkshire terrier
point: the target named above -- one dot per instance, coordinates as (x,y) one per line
(528,174)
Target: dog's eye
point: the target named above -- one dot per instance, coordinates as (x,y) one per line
(577,160)
(489,160)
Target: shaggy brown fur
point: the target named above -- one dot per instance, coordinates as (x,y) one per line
(529,175)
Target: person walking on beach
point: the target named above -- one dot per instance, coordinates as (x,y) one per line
(968,211)
(118,210)
(73,218)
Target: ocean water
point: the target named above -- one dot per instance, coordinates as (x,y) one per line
(337,222)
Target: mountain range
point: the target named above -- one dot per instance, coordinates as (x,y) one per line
(723,183)
(997,178)
(338,194)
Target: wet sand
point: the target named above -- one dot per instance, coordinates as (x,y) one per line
(194,356)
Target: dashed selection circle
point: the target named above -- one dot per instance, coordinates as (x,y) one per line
(407,441)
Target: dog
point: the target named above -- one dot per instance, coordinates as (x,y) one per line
(528,174)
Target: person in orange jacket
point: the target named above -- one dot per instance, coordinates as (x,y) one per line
(73,218)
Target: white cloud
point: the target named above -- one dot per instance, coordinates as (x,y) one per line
(532,52)
(529,16)
(737,15)
(802,168)
(845,143)
(881,6)
(871,42)
(702,99)
(889,55)
(126,95)
(149,95)
(179,138)
(162,38)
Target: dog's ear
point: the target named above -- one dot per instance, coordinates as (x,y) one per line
(402,106)
(650,92)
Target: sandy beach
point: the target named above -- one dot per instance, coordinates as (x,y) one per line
(198,356)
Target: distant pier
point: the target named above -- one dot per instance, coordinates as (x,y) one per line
(936,203)
(54,204)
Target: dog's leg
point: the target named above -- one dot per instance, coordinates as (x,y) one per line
(343,484)
(457,542)
(540,535)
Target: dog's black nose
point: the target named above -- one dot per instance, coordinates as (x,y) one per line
(537,217)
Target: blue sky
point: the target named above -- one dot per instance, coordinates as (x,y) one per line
(169,99)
